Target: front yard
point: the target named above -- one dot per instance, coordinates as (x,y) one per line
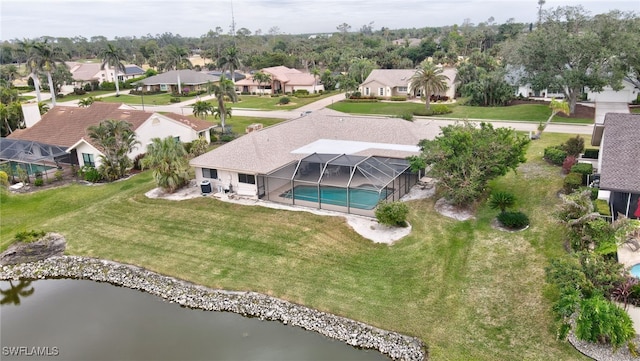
(469,291)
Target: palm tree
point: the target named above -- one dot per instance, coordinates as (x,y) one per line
(117,139)
(13,294)
(316,73)
(85,102)
(502,201)
(25,48)
(428,79)
(231,60)
(262,78)
(202,108)
(167,158)
(220,90)
(112,57)
(46,56)
(177,58)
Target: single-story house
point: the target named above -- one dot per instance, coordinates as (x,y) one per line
(227,74)
(619,162)
(324,159)
(66,127)
(396,82)
(283,80)
(627,94)
(186,78)
(90,72)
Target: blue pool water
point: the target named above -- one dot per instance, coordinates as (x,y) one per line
(635,271)
(358,197)
(31,168)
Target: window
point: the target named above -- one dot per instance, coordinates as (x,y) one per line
(177,139)
(246,178)
(402,89)
(210,173)
(87,159)
(367,91)
(381,91)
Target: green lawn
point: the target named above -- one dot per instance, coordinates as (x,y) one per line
(239,124)
(469,291)
(266,102)
(95,94)
(635,110)
(155,99)
(521,112)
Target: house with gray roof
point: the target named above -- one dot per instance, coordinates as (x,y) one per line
(325,159)
(93,72)
(620,163)
(396,82)
(186,78)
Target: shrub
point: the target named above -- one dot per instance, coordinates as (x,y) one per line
(392,213)
(58,175)
(90,174)
(4,179)
(501,201)
(284,100)
(80,91)
(574,146)
(568,163)
(438,109)
(586,169)
(423,112)
(226,138)
(406,116)
(591,153)
(398,98)
(361,100)
(301,92)
(137,161)
(572,182)
(174,100)
(555,155)
(513,220)
(602,207)
(39,182)
(29,236)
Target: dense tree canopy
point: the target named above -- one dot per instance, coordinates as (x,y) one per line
(117,139)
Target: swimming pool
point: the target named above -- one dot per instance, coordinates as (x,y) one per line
(361,198)
(31,168)
(635,271)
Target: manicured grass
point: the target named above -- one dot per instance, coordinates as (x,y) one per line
(266,102)
(239,124)
(635,110)
(469,291)
(520,112)
(155,99)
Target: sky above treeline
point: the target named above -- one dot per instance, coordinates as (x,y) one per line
(21,19)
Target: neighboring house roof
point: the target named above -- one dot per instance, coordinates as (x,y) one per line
(67,126)
(133,70)
(602,108)
(187,77)
(390,77)
(409,41)
(621,153)
(237,76)
(85,71)
(290,76)
(267,149)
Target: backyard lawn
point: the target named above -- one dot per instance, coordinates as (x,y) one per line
(469,291)
(266,102)
(520,112)
(95,94)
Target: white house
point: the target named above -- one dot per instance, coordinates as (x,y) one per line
(627,94)
(67,127)
(396,82)
(88,72)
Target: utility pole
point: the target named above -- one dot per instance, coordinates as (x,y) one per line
(540,3)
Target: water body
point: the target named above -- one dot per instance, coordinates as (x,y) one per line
(85,320)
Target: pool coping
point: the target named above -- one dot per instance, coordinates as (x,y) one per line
(251,304)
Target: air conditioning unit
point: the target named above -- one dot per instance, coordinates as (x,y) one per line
(253,127)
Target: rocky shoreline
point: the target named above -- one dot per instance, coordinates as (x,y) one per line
(251,304)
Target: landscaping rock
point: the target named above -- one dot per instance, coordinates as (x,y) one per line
(52,244)
(252,304)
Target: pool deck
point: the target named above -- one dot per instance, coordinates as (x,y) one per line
(628,257)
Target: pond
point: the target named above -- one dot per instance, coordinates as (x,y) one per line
(61,319)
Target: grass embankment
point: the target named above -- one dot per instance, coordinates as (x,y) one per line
(469,291)
(520,112)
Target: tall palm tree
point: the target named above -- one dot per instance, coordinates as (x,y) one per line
(202,108)
(224,88)
(429,79)
(177,58)
(25,49)
(46,57)
(262,78)
(117,139)
(316,73)
(231,60)
(112,57)
(13,294)
(167,159)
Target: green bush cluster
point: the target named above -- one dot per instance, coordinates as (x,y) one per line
(284,100)
(572,182)
(308,95)
(29,236)
(4,179)
(591,153)
(361,100)
(90,174)
(302,92)
(555,155)
(174,100)
(513,220)
(58,175)
(574,146)
(39,182)
(398,98)
(586,169)
(436,109)
(602,207)
(392,213)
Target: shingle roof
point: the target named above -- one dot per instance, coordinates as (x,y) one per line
(621,153)
(390,77)
(269,148)
(193,123)
(187,77)
(86,72)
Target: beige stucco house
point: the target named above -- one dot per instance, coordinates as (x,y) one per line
(396,82)
(283,80)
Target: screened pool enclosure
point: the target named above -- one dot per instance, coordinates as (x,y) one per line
(339,182)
